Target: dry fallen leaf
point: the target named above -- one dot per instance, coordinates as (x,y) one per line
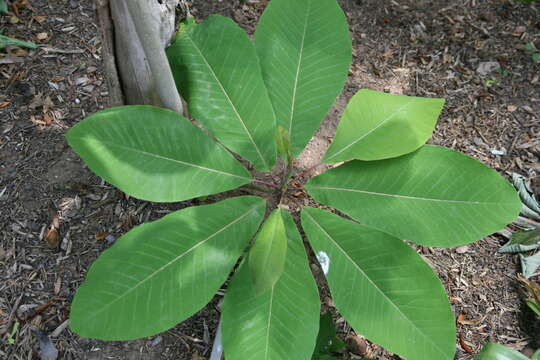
(57,285)
(52,238)
(462,319)
(511,108)
(101,236)
(465,346)
(357,345)
(42,36)
(4,104)
(39,19)
(47,119)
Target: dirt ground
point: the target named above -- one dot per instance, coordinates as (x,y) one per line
(414,47)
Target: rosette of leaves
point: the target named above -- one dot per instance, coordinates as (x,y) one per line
(390,185)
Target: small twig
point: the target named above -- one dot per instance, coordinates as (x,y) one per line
(12,315)
(266,183)
(61,51)
(60,328)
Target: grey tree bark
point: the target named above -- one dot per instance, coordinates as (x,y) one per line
(142,30)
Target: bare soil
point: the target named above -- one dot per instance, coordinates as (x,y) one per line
(422,48)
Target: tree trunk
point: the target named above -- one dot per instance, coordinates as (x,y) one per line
(148,21)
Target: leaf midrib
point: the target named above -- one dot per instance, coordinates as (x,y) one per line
(388,118)
(297,75)
(265,164)
(127,148)
(373,284)
(406,196)
(177,258)
(270,308)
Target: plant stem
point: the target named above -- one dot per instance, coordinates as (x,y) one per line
(147,31)
(304,173)
(217,348)
(287,175)
(266,183)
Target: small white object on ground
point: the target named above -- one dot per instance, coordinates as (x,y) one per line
(324,260)
(487,67)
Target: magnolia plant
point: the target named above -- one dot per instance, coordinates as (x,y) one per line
(387,185)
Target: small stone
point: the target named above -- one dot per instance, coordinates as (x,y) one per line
(462,249)
(498,152)
(156,341)
(110,239)
(487,67)
(478,141)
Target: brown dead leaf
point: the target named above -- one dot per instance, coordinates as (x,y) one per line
(464,345)
(40,19)
(52,238)
(4,104)
(47,119)
(19,52)
(462,319)
(357,345)
(196,356)
(57,285)
(511,108)
(58,79)
(101,236)
(56,222)
(42,36)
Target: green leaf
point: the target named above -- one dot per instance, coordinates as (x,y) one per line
(494,351)
(3,7)
(283,143)
(530,47)
(154,154)
(376,125)
(281,323)
(327,342)
(218,73)
(525,240)
(305,51)
(536,355)
(162,272)
(529,264)
(7,41)
(434,196)
(266,257)
(534,307)
(382,287)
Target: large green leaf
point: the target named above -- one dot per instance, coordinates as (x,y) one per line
(162,272)
(281,323)
(267,255)
(494,351)
(154,154)
(218,73)
(376,125)
(382,287)
(305,51)
(434,196)
(523,240)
